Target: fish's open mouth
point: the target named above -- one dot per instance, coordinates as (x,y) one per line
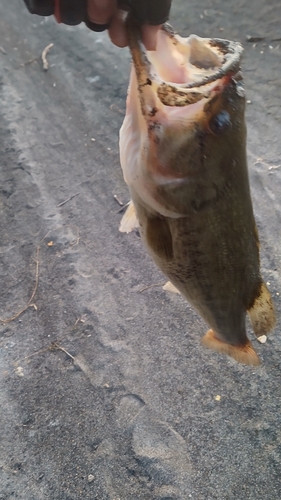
(183,71)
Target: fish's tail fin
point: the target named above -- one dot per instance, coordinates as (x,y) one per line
(262,312)
(129,221)
(242,353)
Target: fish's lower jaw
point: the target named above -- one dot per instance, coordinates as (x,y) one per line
(244,354)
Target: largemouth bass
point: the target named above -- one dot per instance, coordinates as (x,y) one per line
(183,155)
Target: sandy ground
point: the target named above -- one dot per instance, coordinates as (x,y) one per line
(105,391)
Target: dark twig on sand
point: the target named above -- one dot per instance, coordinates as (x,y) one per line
(68,199)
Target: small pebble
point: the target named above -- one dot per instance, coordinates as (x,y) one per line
(217,398)
(91,478)
(19,371)
(262,339)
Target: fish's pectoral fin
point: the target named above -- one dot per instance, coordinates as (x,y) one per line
(262,312)
(242,353)
(129,221)
(169,287)
(159,238)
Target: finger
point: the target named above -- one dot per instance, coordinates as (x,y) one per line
(149,36)
(117,30)
(101,11)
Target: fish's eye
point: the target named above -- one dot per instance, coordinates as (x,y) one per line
(219,123)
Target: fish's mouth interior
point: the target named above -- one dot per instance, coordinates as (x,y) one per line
(180,60)
(181,71)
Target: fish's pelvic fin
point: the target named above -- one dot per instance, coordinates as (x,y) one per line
(262,312)
(242,353)
(159,238)
(169,287)
(129,221)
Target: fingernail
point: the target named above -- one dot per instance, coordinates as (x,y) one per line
(149,36)
(117,31)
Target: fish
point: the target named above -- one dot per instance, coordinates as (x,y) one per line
(183,156)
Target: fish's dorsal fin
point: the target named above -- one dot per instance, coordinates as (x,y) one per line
(242,353)
(129,221)
(169,287)
(262,312)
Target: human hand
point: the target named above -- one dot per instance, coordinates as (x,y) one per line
(100,15)
(112,14)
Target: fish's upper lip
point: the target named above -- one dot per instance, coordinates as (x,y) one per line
(231,51)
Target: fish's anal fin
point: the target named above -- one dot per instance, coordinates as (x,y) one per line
(262,312)
(129,221)
(169,287)
(242,353)
(159,238)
